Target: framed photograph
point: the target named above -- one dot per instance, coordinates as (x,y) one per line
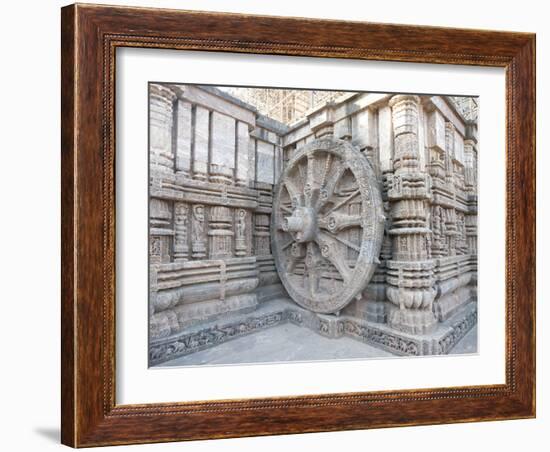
(282,225)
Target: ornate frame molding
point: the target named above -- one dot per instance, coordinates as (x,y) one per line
(90,37)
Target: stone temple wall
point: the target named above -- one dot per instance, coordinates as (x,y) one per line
(213,163)
(424,154)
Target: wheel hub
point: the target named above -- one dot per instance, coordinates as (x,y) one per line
(302,224)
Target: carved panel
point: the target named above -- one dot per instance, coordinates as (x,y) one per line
(220,233)
(261,235)
(181,225)
(161,100)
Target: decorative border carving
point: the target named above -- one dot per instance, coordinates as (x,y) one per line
(458,332)
(209,337)
(202,338)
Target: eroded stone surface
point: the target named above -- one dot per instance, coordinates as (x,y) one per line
(327,224)
(380,238)
(347,336)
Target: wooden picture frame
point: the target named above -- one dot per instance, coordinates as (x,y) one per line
(90,36)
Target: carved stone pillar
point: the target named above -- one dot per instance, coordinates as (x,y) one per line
(160,127)
(470,170)
(181,221)
(436,137)
(243,150)
(201,142)
(197,227)
(220,234)
(155,250)
(160,239)
(322,121)
(278,158)
(377,305)
(470,157)
(438,237)
(471,233)
(183,137)
(161,228)
(222,149)
(449,152)
(461,242)
(410,274)
(252,173)
(450,224)
(154,266)
(365,136)
(261,235)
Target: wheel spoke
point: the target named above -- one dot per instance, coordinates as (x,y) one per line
(314,262)
(331,182)
(287,244)
(285,209)
(343,241)
(291,264)
(297,253)
(326,170)
(293,191)
(337,221)
(310,174)
(302,176)
(311,188)
(334,254)
(342,202)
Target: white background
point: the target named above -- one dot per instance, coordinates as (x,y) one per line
(137,384)
(30,228)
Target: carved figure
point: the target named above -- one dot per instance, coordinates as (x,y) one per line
(241,226)
(198,230)
(240,229)
(180,239)
(199,248)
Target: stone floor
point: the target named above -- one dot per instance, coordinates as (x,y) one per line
(289,342)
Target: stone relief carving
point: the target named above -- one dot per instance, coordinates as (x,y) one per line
(381,251)
(211,335)
(202,339)
(220,232)
(261,235)
(154,249)
(410,275)
(312,221)
(199,248)
(181,249)
(240,235)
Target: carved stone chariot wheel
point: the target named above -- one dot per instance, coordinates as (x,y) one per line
(327,225)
